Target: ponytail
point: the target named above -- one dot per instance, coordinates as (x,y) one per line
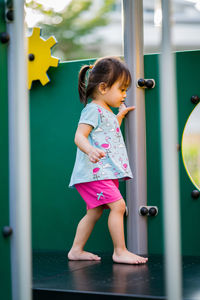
(82,84)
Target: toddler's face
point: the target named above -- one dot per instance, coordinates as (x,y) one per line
(115,95)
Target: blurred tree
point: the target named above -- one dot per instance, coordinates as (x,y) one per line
(73,27)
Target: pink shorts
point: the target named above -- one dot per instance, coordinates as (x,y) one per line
(100,192)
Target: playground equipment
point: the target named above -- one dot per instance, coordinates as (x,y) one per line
(40,59)
(52,132)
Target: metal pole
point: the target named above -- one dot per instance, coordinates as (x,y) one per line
(135,128)
(19,158)
(170,160)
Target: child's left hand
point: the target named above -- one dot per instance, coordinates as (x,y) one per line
(123,109)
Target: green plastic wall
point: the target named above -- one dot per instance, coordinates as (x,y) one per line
(187,73)
(5,283)
(56,209)
(188,64)
(153,146)
(54,113)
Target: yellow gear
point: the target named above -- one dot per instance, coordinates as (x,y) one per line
(39,57)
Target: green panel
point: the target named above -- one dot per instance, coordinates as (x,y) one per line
(154,182)
(5,283)
(187,69)
(55,110)
(56,209)
(188,65)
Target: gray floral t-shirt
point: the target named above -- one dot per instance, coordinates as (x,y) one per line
(105,135)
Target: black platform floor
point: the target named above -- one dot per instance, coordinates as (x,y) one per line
(56,278)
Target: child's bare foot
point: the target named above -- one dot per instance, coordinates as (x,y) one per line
(126,257)
(82,255)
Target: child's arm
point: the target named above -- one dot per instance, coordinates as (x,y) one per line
(123,110)
(81,140)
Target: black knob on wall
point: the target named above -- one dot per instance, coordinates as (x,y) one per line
(149,83)
(144,211)
(195,194)
(10,15)
(195,99)
(146,83)
(7,231)
(31,57)
(148,211)
(4,37)
(141,82)
(153,211)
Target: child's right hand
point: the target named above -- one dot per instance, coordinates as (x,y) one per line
(95,154)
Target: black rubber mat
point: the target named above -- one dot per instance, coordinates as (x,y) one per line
(56,278)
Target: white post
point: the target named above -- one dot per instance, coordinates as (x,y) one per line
(19,158)
(168,105)
(135,126)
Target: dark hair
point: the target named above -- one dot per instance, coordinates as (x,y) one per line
(108,70)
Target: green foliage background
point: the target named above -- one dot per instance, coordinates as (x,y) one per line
(73,25)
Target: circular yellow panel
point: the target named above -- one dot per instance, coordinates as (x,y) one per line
(191,146)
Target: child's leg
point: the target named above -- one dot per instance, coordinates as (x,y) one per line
(83,232)
(116,228)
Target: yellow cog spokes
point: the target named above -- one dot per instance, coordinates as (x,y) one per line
(40,59)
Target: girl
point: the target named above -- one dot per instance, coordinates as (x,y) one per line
(101,158)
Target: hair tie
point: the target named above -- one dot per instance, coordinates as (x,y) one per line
(91,66)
